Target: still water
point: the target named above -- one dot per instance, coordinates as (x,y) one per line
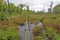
(23,28)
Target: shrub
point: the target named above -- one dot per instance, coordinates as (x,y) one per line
(9,34)
(48,34)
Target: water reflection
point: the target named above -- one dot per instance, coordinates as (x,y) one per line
(22,29)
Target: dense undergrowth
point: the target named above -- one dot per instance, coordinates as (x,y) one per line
(9,33)
(50,29)
(48,20)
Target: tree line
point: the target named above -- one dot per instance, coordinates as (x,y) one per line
(11,8)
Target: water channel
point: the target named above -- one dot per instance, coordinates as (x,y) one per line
(23,28)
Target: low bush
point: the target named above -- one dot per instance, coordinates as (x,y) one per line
(44,34)
(9,34)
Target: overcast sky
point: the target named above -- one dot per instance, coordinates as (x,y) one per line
(36,4)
